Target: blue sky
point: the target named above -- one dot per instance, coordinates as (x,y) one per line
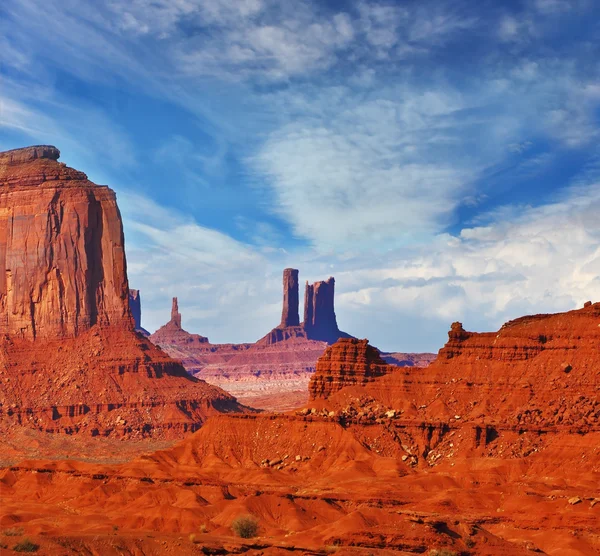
(439,158)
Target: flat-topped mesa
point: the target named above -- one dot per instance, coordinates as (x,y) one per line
(348,362)
(175,314)
(62,255)
(290,315)
(69,354)
(27,154)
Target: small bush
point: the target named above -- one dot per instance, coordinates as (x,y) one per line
(26,546)
(245,526)
(203,528)
(442,552)
(13,532)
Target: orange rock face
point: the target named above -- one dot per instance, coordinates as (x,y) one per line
(348,362)
(61,249)
(536,371)
(69,355)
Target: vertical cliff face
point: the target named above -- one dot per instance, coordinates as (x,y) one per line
(320,322)
(135,306)
(69,355)
(175,314)
(62,257)
(290,315)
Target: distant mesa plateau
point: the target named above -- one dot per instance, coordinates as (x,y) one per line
(110,446)
(274,372)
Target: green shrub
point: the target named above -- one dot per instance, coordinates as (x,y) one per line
(26,546)
(245,526)
(13,532)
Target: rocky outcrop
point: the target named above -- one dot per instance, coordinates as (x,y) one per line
(290,315)
(540,371)
(274,372)
(62,257)
(68,349)
(175,314)
(348,362)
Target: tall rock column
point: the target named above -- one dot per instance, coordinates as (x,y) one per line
(175,314)
(290,315)
(309,294)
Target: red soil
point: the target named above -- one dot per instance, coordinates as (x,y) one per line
(384,465)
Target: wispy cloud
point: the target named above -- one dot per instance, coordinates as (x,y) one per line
(375,132)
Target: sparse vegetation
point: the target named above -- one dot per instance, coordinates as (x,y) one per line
(442,552)
(192,537)
(13,532)
(203,528)
(26,545)
(245,526)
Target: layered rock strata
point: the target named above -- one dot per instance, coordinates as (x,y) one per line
(62,257)
(540,371)
(69,355)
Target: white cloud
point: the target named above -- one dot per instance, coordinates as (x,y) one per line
(221,283)
(542,259)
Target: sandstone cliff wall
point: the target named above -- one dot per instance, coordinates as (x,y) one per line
(62,256)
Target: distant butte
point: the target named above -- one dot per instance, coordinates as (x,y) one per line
(274,372)
(319,324)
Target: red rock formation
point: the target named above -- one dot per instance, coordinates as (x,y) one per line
(290,315)
(274,372)
(175,314)
(135,306)
(405,460)
(69,355)
(319,323)
(540,371)
(61,249)
(171,334)
(348,362)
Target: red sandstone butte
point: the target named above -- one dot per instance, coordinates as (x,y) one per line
(61,247)
(69,356)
